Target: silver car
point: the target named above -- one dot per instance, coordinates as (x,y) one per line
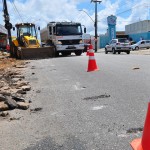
(141,44)
(118,45)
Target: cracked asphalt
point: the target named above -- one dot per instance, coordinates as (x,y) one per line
(73,109)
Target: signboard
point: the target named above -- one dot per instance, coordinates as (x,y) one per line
(111,20)
(3,29)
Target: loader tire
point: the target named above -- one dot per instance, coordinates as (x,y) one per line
(14,51)
(56,53)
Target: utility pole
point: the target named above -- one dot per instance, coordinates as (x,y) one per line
(95,24)
(8,25)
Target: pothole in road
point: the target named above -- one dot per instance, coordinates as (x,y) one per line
(134,130)
(53,70)
(36,109)
(97,97)
(33,67)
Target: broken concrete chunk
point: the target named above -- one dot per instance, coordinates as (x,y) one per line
(1,76)
(14,91)
(20,66)
(20,83)
(7,93)
(11,103)
(3,106)
(6,88)
(15,79)
(26,88)
(22,105)
(4,114)
(2,98)
(18,99)
(2,84)
(18,76)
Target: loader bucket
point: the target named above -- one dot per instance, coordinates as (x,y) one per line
(36,53)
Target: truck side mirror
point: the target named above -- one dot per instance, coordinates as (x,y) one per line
(13,28)
(38,28)
(84,30)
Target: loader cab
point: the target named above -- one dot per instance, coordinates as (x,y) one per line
(25,30)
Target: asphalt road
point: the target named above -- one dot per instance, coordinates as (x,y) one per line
(80,110)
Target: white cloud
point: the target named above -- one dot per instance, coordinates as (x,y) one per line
(43,11)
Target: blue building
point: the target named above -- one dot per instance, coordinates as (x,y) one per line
(135,32)
(139,30)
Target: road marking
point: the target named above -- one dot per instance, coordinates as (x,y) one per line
(98,107)
(77,86)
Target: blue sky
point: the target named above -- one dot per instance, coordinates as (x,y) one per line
(43,11)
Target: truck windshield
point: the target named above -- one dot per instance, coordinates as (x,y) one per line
(27,30)
(68,30)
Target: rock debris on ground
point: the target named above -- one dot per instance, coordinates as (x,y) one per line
(13,86)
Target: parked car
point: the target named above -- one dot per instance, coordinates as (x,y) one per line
(118,45)
(141,44)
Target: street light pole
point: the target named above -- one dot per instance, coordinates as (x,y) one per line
(95,24)
(88,15)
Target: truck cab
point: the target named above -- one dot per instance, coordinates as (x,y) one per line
(66,37)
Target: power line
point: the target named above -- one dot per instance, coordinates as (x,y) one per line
(15,8)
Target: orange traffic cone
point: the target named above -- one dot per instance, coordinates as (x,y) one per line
(92,66)
(144,143)
(87,52)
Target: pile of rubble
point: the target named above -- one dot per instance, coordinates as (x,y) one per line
(13,88)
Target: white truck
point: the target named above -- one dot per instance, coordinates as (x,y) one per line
(66,37)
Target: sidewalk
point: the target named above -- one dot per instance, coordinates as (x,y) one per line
(136,52)
(141,52)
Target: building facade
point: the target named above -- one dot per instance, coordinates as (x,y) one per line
(3,37)
(139,30)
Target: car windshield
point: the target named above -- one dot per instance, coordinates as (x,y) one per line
(123,40)
(138,42)
(68,30)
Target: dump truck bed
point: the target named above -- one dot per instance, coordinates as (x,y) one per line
(36,53)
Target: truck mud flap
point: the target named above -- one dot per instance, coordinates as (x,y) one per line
(36,53)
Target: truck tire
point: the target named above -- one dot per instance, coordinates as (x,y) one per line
(14,51)
(78,53)
(128,52)
(114,51)
(66,53)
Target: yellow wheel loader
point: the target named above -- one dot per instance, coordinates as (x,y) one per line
(26,44)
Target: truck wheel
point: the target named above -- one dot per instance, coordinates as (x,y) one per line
(114,51)
(66,53)
(78,53)
(128,52)
(119,52)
